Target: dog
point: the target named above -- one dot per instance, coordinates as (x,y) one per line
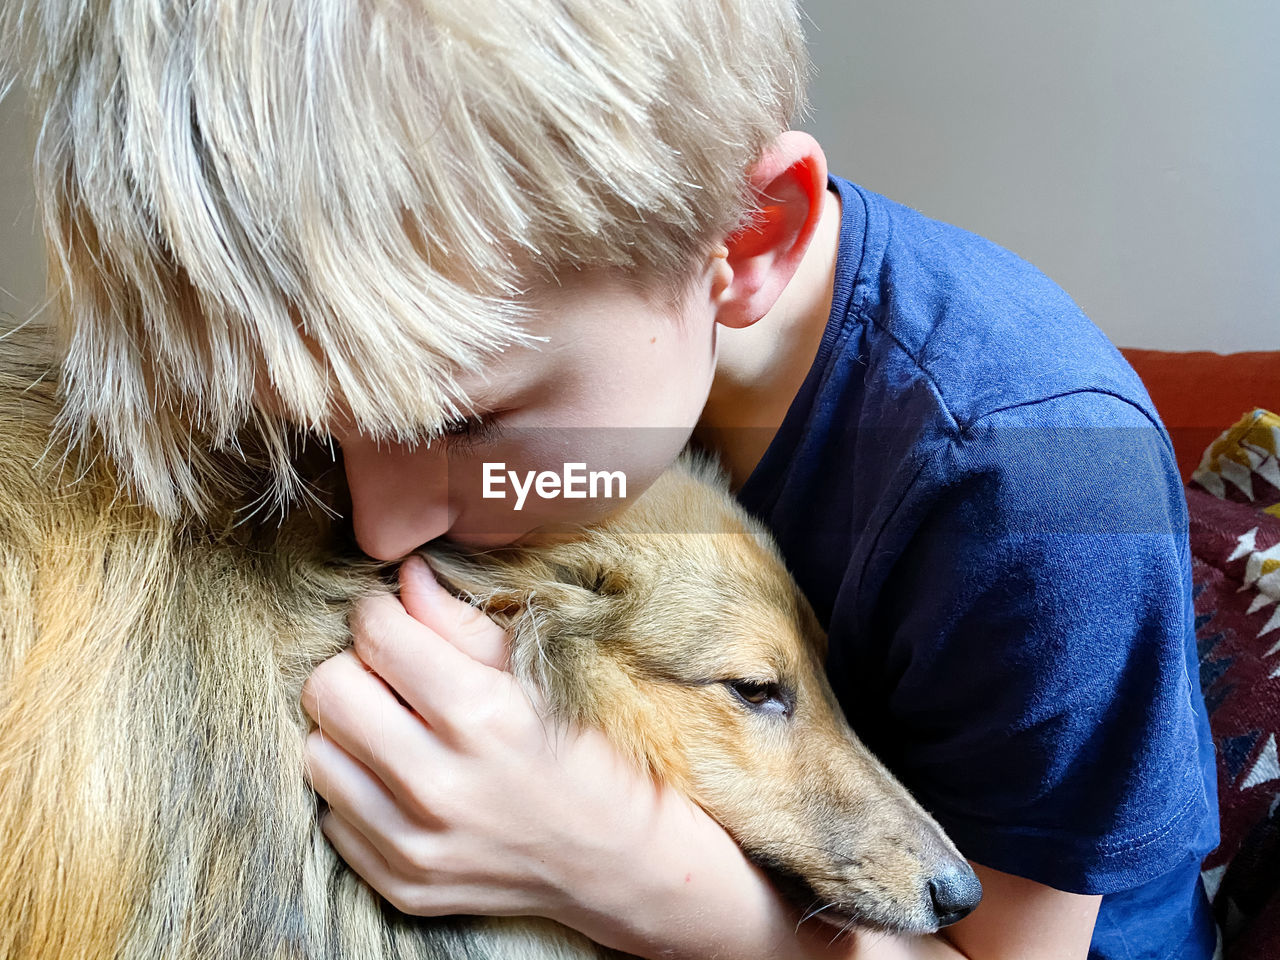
(152,794)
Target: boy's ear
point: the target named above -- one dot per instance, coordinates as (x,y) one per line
(788,181)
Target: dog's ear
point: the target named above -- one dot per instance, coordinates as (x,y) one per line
(504,583)
(554,609)
(595,577)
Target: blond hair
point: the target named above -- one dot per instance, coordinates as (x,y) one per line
(262,213)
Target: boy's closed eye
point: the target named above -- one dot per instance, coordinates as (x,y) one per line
(465,433)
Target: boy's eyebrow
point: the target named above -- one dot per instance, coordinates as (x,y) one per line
(486,397)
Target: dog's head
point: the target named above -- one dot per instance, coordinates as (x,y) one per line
(675,628)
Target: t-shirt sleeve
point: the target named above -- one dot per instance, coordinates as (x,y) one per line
(1039,630)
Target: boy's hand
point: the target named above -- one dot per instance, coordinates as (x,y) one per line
(447,791)
(450,794)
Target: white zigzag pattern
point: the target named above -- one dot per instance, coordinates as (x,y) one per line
(1265,584)
(1240,475)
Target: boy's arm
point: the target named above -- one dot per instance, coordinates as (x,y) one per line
(1020,919)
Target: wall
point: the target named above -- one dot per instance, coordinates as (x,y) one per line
(1130,150)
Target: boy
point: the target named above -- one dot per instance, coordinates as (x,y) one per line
(516,228)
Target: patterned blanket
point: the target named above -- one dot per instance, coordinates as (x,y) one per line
(1234,501)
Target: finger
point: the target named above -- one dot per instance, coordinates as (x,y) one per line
(357,711)
(438,680)
(363,857)
(465,626)
(355,795)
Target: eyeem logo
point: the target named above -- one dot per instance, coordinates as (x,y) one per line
(572,483)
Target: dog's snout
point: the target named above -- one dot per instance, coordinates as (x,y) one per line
(954,892)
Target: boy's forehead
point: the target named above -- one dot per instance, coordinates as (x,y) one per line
(572,325)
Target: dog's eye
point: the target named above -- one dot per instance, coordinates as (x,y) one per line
(761,695)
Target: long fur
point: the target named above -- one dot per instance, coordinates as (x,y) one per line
(152,803)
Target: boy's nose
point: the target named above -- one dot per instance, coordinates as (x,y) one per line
(399,496)
(954,892)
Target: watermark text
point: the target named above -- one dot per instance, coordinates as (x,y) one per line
(573,482)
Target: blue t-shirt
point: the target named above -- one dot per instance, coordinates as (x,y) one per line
(974,491)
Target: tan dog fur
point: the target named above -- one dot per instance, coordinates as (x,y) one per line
(152,800)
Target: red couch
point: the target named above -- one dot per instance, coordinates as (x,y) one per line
(1199,394)
(1235,546)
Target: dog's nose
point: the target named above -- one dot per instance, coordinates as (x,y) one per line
(955,891)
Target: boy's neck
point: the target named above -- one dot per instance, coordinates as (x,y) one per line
(759,369)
